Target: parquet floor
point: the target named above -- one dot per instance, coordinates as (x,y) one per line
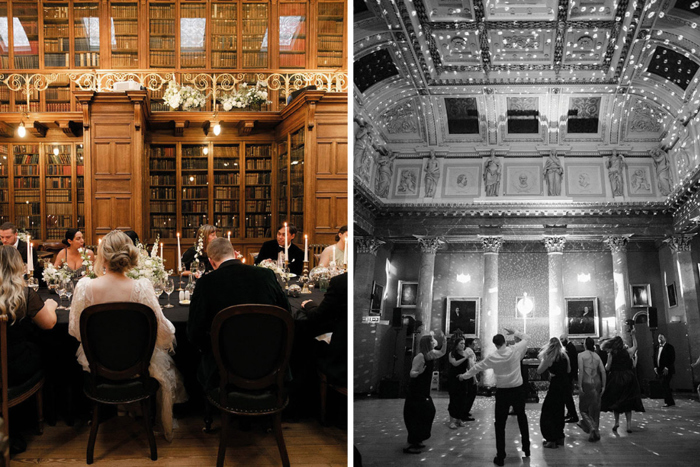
(122,442)
(661,437)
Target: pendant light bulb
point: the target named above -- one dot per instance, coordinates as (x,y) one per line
(205,150)
(217,129)
(55,151)
(21,131)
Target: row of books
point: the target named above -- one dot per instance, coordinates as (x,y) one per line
(87,44)
(193,59)
(162,164)
(257,178)
(255,27)
(27,61)
(57,208)
(297,190)
(226,178)
(31,210)
(330,44)
(223,11)
(195,193)
(125,60)
(129,27)
(258,192)
(163,206)
(225,152)
(292,60)
(254,12)
(226,193)
(298,221)
(165,59)
(27,169)
(162,220)
(162,179)
(226,206)
(125,42)
(294,45)
(56,30)
(257,232)
(330,27)
(255,59)
(258,150)
(31,28)
(225,41)
(25,10)
(223,60)
(162,193)
(298,139)
(292,9)
(297,205)
(195,206)
(159,107)
(164,232)
(258,220)
(193,10)
(59,170)
(193,151)
(194,179)
(60,159)
(258,164)
(162,26)
(4,94)
(26,182)
(162,11)
(331,9)
(58,93)
(91,59)
(194,164)
(58,107)
(22,96)
(257,206)
(125,11)
(333,62)
(162,151)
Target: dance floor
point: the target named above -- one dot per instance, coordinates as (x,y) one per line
(660,437)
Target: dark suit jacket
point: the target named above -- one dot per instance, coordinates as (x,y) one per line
(572,353)
(271,249)
(22,248)
(667,359)
(234,283)
(331,315)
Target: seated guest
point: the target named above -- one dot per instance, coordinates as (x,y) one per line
(327,254)
(231,283)
(70,255)
(272,248)
(17,302)
(133,236)
(116,255)
(207,233)
(8,236)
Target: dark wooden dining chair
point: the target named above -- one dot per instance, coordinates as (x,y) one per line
(315,251)
(14,395)
(252,345)
(118,340)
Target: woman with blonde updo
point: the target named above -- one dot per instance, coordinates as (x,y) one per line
(115,256)
(553,358)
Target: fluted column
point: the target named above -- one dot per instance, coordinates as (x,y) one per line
(680,248)
(489,312)
(555,260)
(366,339)
(426,275)
(621,284)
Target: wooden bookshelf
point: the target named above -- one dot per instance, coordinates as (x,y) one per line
(194,176)
(80,186)
(26,46)
(282,181)
(223,35)
(292,35)
(296,179)
(227,189)
(162,191)
(258,190)
(255,38)
(4,98)
(58,95)
(86,30)
(125,35)
(331,27)
(58,182)
(4,46)
(27,188)
(161,37)
(56,35)
(4,184)
(193,41)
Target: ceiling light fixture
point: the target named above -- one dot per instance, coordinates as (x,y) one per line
(21,131)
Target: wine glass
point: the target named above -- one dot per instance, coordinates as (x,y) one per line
(61,289)
(33,284)
(201,268)
(158,288)
(168,288)
(68,287)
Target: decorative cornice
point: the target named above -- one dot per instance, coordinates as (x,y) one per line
(491,244)
(368,245)
(679,243)
(429,245)
(554,244)
(617,244)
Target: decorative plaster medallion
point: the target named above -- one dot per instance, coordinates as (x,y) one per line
(368,245)
(643,119)
(401,119)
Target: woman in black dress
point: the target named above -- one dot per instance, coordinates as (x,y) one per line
(553,358)
(419,410)
(207,233)
(622,393)
(457,388)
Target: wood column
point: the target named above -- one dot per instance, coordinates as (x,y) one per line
(489,313)
(115,161)
(555,260)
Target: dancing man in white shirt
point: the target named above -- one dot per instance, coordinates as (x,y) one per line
(505,362)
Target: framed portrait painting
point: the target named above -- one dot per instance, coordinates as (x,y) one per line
(375,307)
(640,295)
(582,318)
(407,295)
(462,314)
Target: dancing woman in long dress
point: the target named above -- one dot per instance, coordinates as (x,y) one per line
(622,393)
(591,380)
(459,362)
(419,410)
(554,358)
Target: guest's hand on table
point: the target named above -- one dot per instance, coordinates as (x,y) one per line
(303,304)
(51,303)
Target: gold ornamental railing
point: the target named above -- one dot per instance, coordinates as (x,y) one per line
(211,84)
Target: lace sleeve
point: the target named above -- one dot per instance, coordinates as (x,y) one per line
(77,306)
(166,331)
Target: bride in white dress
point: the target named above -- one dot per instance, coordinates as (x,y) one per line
(115,256)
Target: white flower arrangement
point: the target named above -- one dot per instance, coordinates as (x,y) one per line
(187,96)
(87,262)
(53,274)
(22,235)
(245,96)
(198,248)
(149,266)
(154,250)
(270,264)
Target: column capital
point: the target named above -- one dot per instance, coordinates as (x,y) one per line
(679,242)
(554,244)
(368,245)
(491,244)
(617,244)
(429,244)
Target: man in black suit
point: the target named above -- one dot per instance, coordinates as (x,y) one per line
(272,248)
(665,368)
(231,283)
(8,236)
(572,353)
(459,319)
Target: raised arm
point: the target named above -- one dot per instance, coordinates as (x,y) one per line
(632,350)
(455,362)
(418,365)
(439,353)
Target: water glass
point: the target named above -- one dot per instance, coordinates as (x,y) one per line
(33,284)
(168,287)
(61,289)
(69,288)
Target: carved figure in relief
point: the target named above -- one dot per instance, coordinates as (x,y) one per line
(492,175)
(432,175)
(615,165)
(663,170)
(385,169)
(639,181)
(363,151)
(407,184)
(553,173)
